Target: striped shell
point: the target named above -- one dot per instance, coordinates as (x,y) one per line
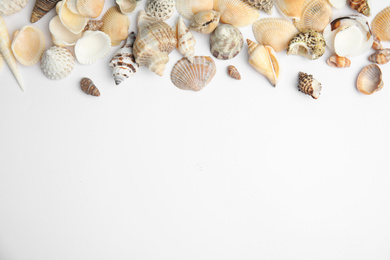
(41,8)
(370,80)
(290,8)
(381,56)
(89,87)
(233,72)
(226,42)
(338,62)
(316,15)
(381,25)
(115,25)
(185,40)
(309,85)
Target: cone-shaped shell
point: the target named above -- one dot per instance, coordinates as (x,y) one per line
(226,42)
(57,63)
(275,32)
(8,7)
(127,6)
(60,35)
(160,9)
(90,8)
(309,85)
(290,8)
(74,22)
(205,21)
(236,12)
(381,56)
(5,50)
(316,15)
(193,76)
(41,8)
(381,25)
(263,59)
(338,62)
(116,25)
(362,6)
(92,47)
(28,45)
(188,8)
(233,72)
(185,40)
(370,79)
(89,87)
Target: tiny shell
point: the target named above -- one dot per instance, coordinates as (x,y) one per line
(57,63)
(41,8)
(377,45)
(93,25)
(233,72)
(226,42)
(116,25)
(185,40)
(74,22)
(370,79)
(93,46)
(316,15)
(236,12)
(60,35)
(362,6)
(89,87)
(205,21)
(127,6)
(338,62)
(263,5)
(28,45)
(160,9)
(8,7)
(381,56)
(309,85)
(188,8)
(381,25)
(90,8)
(308,43)
(193,76)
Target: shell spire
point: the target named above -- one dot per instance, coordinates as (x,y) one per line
(185,40)
(41,8)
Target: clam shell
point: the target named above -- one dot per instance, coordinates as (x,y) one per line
(370,79)
(185,40)
(290,8)
(8,7)
(316,15)
(90,8)
(308,43)
(28,45)
(233,72)
(93,46)
(57,63)
(89,87)
(381,56)
(160,9)
(205,21)
(226,42)
(381,25)
(362,6)
(263,5)
(338,62)
(41,8)
(60,35)
(263,59)
(188,8)
(74,22)
(309,85)
(236,12)
(127,6)
(116,25)
(275,32)
(193,76)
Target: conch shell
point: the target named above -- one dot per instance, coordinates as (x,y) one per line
(185,40)
(236,12)
(370,80)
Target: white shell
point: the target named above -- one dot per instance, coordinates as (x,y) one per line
(8,7)
(60,35)
(74,22)
(236,12)
(28,45)
(160,9)
(93,46)
(185,40)
(338,4)
(127,6)
(57,63)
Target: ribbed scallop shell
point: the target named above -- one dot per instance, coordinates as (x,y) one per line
(381,56)
(370,79)
(93,46)
(90,8)
(8,7)
(290,8)
(188,8)
(275,32)
(185,40)
(160,9)
(60,35)
(193,76)
(338,62)
(116,25)
(127,6)
(233,72)
(381,25)
(236,12)
(57,63)
(316,15)
(74,22)
(28,45)
(205,21)
(226,42)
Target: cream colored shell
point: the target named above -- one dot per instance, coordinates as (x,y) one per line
(315,15)
(60,35)
(188,8)
(74,22)
(57,63)
(116,25)
(290,8)
(205,21)
(185,40)
(90,8)
(92,47)
(236,12)
(8,7)
(28,45)
(381,25)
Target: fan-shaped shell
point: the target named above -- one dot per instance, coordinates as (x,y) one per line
(93,46)
(370,79)
(290,8)
(90,8)
(160,9)
(226,42)
(275,32)
(236,12)
(127,6)
(28,45)
(185,40)
(8,7)
(60,35)
(74,22)
(188,8)
(193,76)
(57,63)
(116,25)
(205,21)
(316,15)
(381,25)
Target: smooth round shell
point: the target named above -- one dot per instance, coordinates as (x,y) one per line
(370,79)
(160,9)
(8,7)
(381,25)
(226,42)
(60,35)
(28,45)
(236,12)
(188,8)
(93,46)
(116,25)
(57,63)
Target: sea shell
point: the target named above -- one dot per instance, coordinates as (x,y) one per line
(154,42)
(93,25)
(316,15)
(28,45)
(185,40)
(381,56)
(275,32)
(309,85)
(338,4)
(193,76)
(123,63)
(60,35)
(377,44)
(127,6)
(93,46)
(5,50)
(188,8)
(338,62)
(308,43)
(236,12)
(263,59)
(90,8)
(57,63)
(8,7)
(263,5)
(89,87)
(290,8)
(205,21)
(116,25)
(74,22)
(41,8)
(370,79)
(362,6)
(233,72)
(1,62)
(226,42)
(381,25)
(160,9)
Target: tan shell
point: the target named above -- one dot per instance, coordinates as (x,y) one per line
(263,59)
(116,25)
(193,76)
(90,8)
(275,32)
(205,21)
(41,8)
(89,87)
(362,6)
(74,22)
(226,42)
(316,15)
(185,40)
(8,7)
(127,6)
(338,62)
(381,56)
(60,35)
(370,79)
(233,72)
(160,9)
(188,8)
(309,85)
(381,25)
(377,45)
(290,8)
(263,5)
(236,12)
(28,45)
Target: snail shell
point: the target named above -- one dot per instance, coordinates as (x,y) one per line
(233,72)
(381,56)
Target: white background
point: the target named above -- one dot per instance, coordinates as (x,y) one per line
(239,170)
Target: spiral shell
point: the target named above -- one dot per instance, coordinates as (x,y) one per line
(370,80)
(127,6)
(338,62)
(205,21)
(362,6)
(41,8)
(236,12)
(381,56)
(226,42)
(57,63)
(185,40)
(381,25)
(308,43)
(309,85)
(160,9)
(233,72)
(89,87)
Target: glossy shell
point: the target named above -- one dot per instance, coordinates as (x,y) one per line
(369,80)
(28,45)
(338,62)
(89,87)
(41,8)
(160,9)
(226,42)
(233,72)
(57,63)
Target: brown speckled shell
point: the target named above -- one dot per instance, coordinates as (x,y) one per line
(226,42)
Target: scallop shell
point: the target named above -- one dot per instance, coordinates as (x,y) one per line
(74,22)
(309,85)
(185,40)
(123,63)
(90,8)
(28,45)
(381,25)
(205,21)
(188,8)
(57,63)
(89,87)
(236,12)
(160,9)
(93,25)
(93,46)
(5,50)
(127,6)
(41,8)
(233,72)
(8,7)
(193,76)
(116,25)
(381,56)
(60,35)
(226,42)
(362,6)
(316,15)
(308,43)
(263,59)
(275,32)
(370,79)
(263,5)
(338,62)
(154,42)
(290,8)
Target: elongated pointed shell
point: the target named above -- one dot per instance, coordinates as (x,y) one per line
(74,22)
(236,12)
(92,47)
(185,40)
(160,9)
(309,85)
(263,5)
(188,8)
(28,45)
(116,25)
(127,6)
(205,21)
(309,43)
(8,7)
(316,15)
(263,59)
(362,6)
(41,8)
(275,32)
(290,8)
(370,80)
(89,87)
(57,63)
(338,62)
(226,42)
(381,56)
(90,8)
(60,35)
(193,76)
(233,72)
(381,25)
